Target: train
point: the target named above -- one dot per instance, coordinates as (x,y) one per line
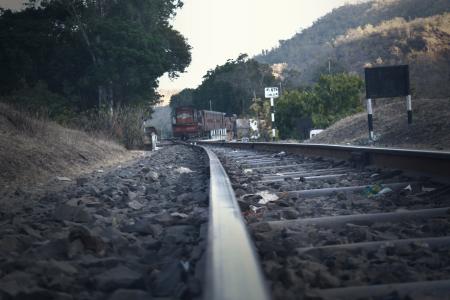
(190,123)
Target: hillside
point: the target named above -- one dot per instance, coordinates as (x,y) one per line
(430,128)
(33,151)
(310,50)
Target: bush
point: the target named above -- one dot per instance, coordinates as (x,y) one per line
(332,98)
(40,103)
(124,124)
(29,104)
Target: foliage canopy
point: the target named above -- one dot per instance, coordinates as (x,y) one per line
(93,52)
(332,98)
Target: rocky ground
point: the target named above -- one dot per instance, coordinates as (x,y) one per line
(131,232)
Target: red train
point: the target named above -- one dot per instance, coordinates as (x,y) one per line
(192,123)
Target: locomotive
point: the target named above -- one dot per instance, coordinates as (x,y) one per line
(189,123)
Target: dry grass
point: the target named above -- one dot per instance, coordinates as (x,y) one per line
(430,128)
(33,151)
(423,43)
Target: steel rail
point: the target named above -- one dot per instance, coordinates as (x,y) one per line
(233,271)
(435,163)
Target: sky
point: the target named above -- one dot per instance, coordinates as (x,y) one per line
(219,30)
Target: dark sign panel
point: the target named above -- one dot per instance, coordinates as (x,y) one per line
(303,127)
(386,82)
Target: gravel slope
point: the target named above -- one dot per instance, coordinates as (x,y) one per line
(430,128)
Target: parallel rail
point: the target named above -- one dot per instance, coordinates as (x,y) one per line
(233,270)
(436,163)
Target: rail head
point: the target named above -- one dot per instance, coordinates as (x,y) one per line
(435,163)
(233,271)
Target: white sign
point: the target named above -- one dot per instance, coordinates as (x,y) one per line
(271,92)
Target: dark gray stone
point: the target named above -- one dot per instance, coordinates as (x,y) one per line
(118,277)
(124,294)
(169,281)
(66,212)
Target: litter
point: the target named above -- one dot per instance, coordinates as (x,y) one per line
(280,154)
(63,178)
(267,197)
(373,190)
(385,191)
(248,171)
(183,170)
(185,265)
(408,188)
(425,189)
(135,205)
(179,215)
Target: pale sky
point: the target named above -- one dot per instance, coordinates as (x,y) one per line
(219,30)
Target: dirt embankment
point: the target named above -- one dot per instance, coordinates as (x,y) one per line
(33,152)
(430,128)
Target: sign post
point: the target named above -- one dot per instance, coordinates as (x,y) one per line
(387,82)
(272,93)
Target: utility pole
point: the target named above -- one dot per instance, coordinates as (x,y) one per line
(210,105)
(329,65)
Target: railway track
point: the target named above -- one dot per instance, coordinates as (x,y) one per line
(335,228)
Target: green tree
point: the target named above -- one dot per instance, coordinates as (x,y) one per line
(183,98)
(332,98)
(335,97)
(94,52)
(232,86)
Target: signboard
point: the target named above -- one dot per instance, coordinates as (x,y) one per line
(271,92)
(386,82)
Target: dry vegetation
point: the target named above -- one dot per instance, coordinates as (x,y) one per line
(374,32)
(423,43)
(430,128)
(34,151)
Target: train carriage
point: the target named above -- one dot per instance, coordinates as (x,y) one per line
(191,123)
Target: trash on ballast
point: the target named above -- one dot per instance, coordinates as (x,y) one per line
(185,265)
(248,171)
(280,154)
(135,205)
(372,190)
(267,197)
(63,178)
(374,175)
(386,190)
(408,188)
(256,209)
(425,189)
(183,170)
(179,215)
(100,171)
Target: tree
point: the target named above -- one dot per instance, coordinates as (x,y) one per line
(183,98)
(335,97)
(232,86)
(332,98)
(95,52)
